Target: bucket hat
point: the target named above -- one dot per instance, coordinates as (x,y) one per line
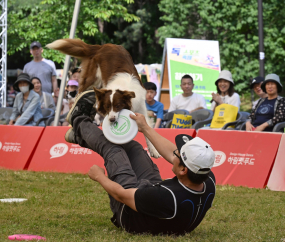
(23,77)
(197,154)
(272,78)
(225,75)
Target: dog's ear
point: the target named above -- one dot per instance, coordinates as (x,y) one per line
(100,93)
(127,94)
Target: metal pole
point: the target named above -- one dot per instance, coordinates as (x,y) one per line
(3,46)
(260,34)
(66,63)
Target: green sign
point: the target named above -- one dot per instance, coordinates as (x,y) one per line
(198,58)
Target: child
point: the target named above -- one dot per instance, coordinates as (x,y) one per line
(154,107)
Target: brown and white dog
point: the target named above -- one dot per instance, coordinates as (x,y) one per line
(110,70)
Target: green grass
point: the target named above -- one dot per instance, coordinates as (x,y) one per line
(71,207)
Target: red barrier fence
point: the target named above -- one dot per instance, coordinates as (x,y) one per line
(55,154)
(242,158)
(17,145)
(276,180)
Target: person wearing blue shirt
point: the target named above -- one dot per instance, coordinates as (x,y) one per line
(155,108)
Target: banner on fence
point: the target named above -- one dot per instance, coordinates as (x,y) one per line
(242,158)
(55,154)
(17,144)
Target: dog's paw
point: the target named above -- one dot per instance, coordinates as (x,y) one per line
(153,153)
(97,119)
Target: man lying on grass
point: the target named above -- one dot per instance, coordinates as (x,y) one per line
(140,201)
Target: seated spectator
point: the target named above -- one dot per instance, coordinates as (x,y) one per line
(72,88)
(226,92)
(188,100)
(269,110)
(27,105)
(11,95)
(68,100)
(155,108)
(256,86)
(46,98)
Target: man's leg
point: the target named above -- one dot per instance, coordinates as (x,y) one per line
(141,163)
(115,158)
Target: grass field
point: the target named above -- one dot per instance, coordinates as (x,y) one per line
(71,207)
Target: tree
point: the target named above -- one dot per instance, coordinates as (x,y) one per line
(235,25)
(51,19)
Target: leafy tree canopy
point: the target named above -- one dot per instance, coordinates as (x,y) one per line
(48,20)
(235,25)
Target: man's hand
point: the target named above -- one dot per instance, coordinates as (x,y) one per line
(95,172)
(140,120)
(11,122)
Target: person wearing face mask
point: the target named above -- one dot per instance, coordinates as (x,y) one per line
(269,110)
(72,88)
(46,98)
(256,87)
(225,91)
(27,105)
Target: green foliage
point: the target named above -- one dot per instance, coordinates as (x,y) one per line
(49,20)
(235,25)
(139,37)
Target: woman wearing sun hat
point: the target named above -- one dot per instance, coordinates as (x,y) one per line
(270,110)
(225,91)
(27,105)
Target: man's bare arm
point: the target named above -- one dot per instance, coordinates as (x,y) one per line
(125,196)
(164,147)
(54,83)
(195,109)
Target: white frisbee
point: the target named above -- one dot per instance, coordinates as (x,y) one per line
(13,200)
(121,131)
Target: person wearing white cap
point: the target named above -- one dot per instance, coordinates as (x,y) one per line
(269,110)
(140,201)
(226,93)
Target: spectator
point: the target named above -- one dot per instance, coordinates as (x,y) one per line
(72,88)
(256,86)
(11,95)
(41,68)
(75,74)
(154,107)
(27,105)
(226,92)
(188,100)
(46,98)
(269,110)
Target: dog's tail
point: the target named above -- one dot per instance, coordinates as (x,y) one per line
(74,47)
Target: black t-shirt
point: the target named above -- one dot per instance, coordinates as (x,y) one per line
(264,113)
(168,207)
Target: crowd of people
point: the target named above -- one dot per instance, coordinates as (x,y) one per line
(38,88)
(267,110)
